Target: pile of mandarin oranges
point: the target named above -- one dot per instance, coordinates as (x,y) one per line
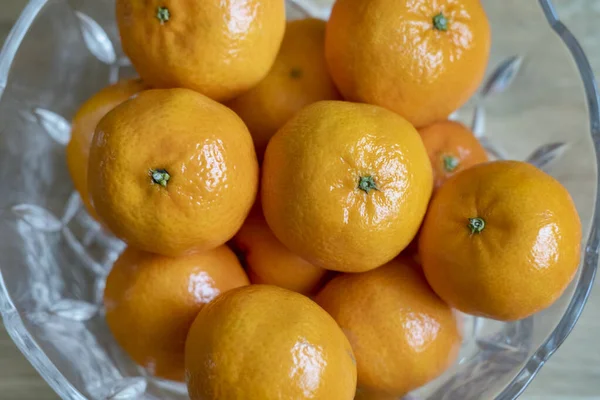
(302,219)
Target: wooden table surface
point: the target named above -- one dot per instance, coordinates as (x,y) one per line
(573,373)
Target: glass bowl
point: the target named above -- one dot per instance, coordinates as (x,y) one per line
(539,103)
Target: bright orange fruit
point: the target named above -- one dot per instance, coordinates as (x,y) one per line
(452,148)
(270,262)
(264,342)
(84,124)
(173,172)
(218,48)
(420,58)
(151,302)
(345,186)
(501,240)
(402,333)
(298,78)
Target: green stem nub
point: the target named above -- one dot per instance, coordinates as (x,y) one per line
(440,22)
(163,15)
(367,183)
(160,177)
(476,225)
(450,163)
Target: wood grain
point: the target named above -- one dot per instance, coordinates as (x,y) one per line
(573,373)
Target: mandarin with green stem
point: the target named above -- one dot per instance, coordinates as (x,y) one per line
(345,185)
(422,59)
(452,148)
(173,172)
(501,240)
(218,48)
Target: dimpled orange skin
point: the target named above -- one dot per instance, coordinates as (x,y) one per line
(83,127)
(270,262)
(208,154)
(264,342)
(402,333)
(312,174)
(390,53)
(452,148)
(151,302)
(298,78)
(218,48)
(525,255)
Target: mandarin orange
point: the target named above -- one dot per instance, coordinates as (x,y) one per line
(218,48)
(298,78)
(501,240)
(151,302)
(452,147)
(422,59)
(264,342)
(402,333)
(83,127)
(270,262)
(345,186)
(173,172)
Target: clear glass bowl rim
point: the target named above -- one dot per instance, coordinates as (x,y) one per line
(30,349)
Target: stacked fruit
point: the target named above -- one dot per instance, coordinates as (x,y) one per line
(170,164)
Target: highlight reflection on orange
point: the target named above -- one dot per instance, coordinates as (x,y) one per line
(345,185)
(402,333)
(172,172)
(151,302)
(220,49)
(501,240)
(265,342)
(420,58)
